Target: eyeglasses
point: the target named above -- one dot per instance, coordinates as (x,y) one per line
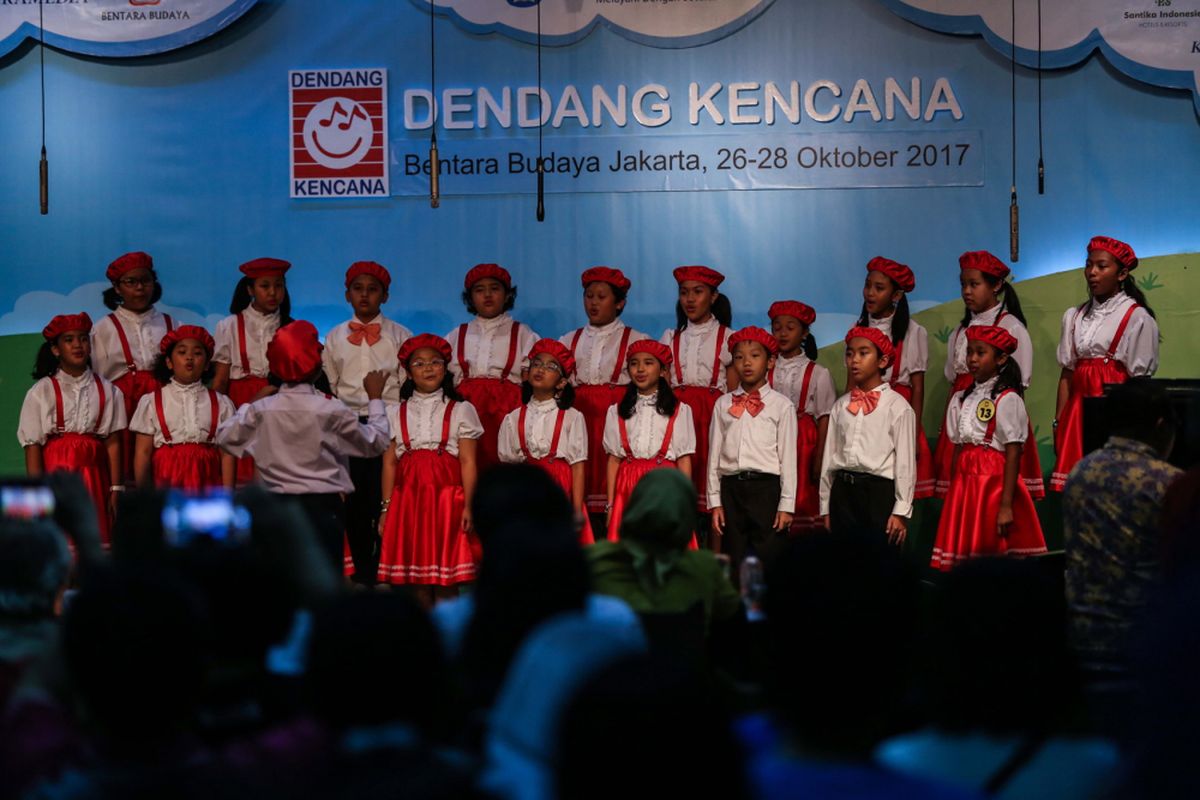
(436,362)
(551,366)
(131,283)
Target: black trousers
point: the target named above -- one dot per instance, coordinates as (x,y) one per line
(861,504)
(327,514)
(362,517)
(750,501)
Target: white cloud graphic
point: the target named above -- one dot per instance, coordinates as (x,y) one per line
(566,21)
(1153,43)
(33,310)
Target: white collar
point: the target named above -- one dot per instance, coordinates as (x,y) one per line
(883,323)
(986,317)
(543,406)
(84,377)
(133,317)
(1110,305)
(605,330)
(378,318)
(253,313)
(762,390)
(494,323)
(987,385)
(798,360)
(297,388)
(194,386)
(427,397)
(702,328)
(883,387)
(650,400)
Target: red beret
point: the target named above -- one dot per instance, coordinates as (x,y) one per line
(656,349)
(415,343)
(874,336)
(899,273)
(67,322)
(985,262)
(128,263)
(792,308)
(265,268)
(376,271)
(1122,252)
(752,333)
(606,275)
(187,332)
(481,271)
(702,274)
(294,352)
(994,335)
(556,350)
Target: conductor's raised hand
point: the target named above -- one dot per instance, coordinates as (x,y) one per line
(373,383)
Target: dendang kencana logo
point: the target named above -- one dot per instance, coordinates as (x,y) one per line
(339,133)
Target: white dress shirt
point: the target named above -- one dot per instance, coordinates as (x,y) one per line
(881,443)
(697,346)
(958,344)
(599,352)
(762,443)
(1090,335)
(145,333)
(789,381)
(963,425)
(81,405)
(914,357)
(187,411)
(302,440)
(424,414)
(347,364)
(486,348)
(260,328)
(647,428)
(540,418)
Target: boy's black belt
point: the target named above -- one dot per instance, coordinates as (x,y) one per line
(846,476)
(751,475)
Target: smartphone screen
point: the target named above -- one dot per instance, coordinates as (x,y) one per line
(25,501)
(214,517)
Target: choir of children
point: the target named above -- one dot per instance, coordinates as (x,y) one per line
(388,462)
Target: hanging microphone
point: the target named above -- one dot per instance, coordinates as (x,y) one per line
(44,183)
(435,168)
(1041,177)
(1014,228)
(541,204)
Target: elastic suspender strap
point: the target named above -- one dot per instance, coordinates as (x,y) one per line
(162,418)
(60,422)
(616,373)
(521,434)
(898,356)
(678,362)
(666,445)
(716,376)
(1116,341)
(575,340)
(446,427)
(215,417)
(1074,330)
(991,426)
(241,335)
(558,426)
(463,366)
(514,333)
(170,322)
(804,384)
(404,426)
(100,408)
(624,436)
(125,349)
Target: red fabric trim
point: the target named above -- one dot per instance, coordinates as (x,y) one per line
(162,418)
(241,332)
(514,331)
(616,373)
(125,349)
(462,343)
(60,422)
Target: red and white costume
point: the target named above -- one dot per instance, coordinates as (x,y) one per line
(242,340)
(810,388)
(183,419)
(968,525)
(423,539)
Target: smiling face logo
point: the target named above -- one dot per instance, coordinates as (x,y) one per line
(338,132)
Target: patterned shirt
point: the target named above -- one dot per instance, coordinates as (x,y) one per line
(1111,508)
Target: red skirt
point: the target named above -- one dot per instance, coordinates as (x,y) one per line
(943,454)
(628,475)
(593,401)
(493,399)
(192,467)
(133,385)
(87,457)
(423,539)
(926,478)
(808,503)
(967,527)
(700,399)
(242,391)
(560,471)
(1087,380)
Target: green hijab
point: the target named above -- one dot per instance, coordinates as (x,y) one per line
(658,524)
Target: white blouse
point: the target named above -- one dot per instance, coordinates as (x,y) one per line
(187,410)
(599,352)
(486,348)
(788,380)
(540,418)
(963,425)
(81,407)
(144,332)
(1090,335)
(347,364)
(957,344)
(424,418)
(697,346)
(647,428)
(914,357)
(260,328)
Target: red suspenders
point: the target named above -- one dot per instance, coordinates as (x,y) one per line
(441,448)
(558,426)
(465,366)
(162,417)
(620,362)
(716,373)
(60,421)
(126,350)
(666,445)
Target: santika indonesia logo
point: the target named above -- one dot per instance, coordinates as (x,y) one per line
(117,28)
(658,24)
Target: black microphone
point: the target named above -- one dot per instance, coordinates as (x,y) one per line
(435,168)
(541,204)
(1041,177)
(44,183)
(1014,228)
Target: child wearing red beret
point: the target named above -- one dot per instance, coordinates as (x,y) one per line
(869,467)
(70,415)
(429,477)
(176,424)
(1108,339)
(546,430)
(488,353)
(988,511)
(125,342)
(809,386)
(260,306)
(368,341)
(600,376)
(700,358)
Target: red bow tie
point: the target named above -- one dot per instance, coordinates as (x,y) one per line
(864,401)
(746,402)
(358,332)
